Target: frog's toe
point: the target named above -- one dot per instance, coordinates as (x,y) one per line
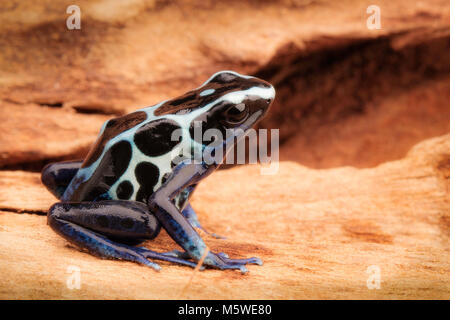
(170,257)
(252,260)
(221,261)
(177,253)
(223,255)
(217,236)
(243,269)
(233,266)
(256,260)
(152,265)
(141,258)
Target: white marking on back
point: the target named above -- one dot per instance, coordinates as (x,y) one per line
(206,92)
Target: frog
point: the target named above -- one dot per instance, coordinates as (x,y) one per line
(141,172)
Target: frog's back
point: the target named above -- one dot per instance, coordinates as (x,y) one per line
(113,129)
(127,160)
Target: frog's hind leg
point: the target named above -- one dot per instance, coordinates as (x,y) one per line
(94,225)
(57,176)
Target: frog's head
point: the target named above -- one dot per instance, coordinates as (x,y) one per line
(234,102)
(227,102)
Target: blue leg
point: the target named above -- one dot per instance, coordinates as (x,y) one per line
(182,203)
(94,225)
(57,176)
(177,226)
(222,255)
(189,213)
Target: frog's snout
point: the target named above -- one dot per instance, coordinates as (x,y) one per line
(268,95)
(268,92)
(271,93)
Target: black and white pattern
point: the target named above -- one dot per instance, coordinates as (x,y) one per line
(134,152)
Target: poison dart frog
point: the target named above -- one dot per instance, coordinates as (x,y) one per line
(141,172)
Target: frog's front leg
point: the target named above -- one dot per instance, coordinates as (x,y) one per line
(178,227)
(182,203)
(189,213)
(94,225)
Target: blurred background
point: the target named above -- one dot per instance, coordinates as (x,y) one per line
(348,93)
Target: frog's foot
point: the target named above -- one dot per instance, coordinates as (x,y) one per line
(211,234)
(165,257)
(214,260)
(219,260)
(252,260)
(223,256)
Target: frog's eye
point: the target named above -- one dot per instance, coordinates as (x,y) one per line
(236,113)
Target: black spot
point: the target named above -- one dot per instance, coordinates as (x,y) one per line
(124,190)
(155,138)
(113,128)
(147,174)
(103,221)
(120,156)
(165,177)
(127,223)
(112,166)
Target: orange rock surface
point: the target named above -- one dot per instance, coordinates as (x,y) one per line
(364,120)
(317,231)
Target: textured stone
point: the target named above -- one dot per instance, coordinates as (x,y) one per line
(318,231)
(346,96)
(32,133)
